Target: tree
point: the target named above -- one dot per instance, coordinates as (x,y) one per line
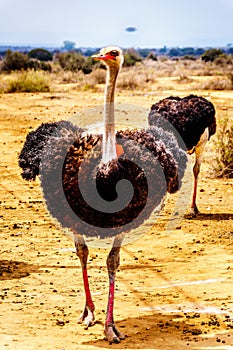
(68,45)
(40,54)
(174,52)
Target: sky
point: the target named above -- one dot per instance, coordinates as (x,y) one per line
(96,23)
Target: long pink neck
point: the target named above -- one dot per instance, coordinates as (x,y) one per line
(109,141)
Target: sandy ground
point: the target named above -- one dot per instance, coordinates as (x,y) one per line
(174,287)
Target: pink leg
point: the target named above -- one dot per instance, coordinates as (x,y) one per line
(194,209)
(87,316)
(196,170)
(113,261)
(199,149)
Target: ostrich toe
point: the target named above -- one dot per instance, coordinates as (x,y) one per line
(194,211)
(87,317)
(112,334)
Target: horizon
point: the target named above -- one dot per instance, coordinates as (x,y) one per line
(54,46)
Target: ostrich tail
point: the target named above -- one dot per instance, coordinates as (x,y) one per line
(30,155)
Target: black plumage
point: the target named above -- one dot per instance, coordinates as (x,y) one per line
(190,116)
(69,165)
(192,121)
(34,146)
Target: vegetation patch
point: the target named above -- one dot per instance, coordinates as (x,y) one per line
(28,81)
(223,166)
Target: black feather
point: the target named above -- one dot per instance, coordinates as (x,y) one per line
(69,162)
(190,116)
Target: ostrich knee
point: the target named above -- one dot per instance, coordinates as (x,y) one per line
(87,316)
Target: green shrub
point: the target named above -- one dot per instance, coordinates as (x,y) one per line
(14,61)
(75,61)
(40,54)
(33,64)
(131,57)
(45,66)
(211,55)
(71,61)
(87,66)
(29,81)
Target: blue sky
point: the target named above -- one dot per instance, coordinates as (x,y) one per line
(101,22)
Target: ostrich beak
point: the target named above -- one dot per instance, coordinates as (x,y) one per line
(101,57)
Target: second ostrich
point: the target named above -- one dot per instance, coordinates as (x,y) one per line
(194,122)
(72,163)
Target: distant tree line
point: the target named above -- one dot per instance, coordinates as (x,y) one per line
(77,59)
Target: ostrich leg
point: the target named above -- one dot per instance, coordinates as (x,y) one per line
(87,316)
(113,261)
(196,170)
(199,149)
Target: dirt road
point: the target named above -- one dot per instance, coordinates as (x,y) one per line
(174,287)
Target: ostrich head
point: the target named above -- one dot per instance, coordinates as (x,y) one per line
(112,56)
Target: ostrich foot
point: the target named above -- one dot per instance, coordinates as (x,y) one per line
(112,334)
(87,317)
(194,210)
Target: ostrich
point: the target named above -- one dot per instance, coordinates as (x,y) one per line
(71,163)
(193,117)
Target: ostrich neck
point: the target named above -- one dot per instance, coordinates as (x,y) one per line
(109,142)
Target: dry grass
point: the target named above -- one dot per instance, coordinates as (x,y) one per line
(223,159)
(97,76)
(130,81)
(26,81)
(141,76)
(216,83)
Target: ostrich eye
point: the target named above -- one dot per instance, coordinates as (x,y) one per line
(114,53)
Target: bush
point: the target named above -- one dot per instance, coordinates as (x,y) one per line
(72,61)
(223,60)
(14,61)
(30,81)
(75,61)
(131,57)
(33,64)
(98,76)
(211,55)
(128,80)
(40,54)
(152,56)
(224,144)
(87,66)
(217,83)
(45,66)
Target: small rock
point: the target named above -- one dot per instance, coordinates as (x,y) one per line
(60,322)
